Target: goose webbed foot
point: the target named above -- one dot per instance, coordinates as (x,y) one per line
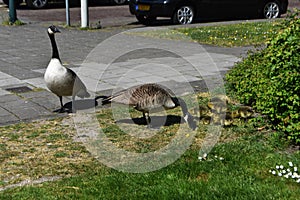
(60,110)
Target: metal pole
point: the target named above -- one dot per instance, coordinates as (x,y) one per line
(68,13)
(12,11)
(84,14)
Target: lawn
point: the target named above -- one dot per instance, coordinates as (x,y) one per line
(235,34)
(249,161)
(239,167)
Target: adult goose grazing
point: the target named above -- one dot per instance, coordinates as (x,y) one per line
(59,79)
(150,97)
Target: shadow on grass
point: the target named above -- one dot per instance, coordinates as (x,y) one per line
(156,121)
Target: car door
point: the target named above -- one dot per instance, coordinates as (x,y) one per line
(226,8)
(241,8)
(213,8)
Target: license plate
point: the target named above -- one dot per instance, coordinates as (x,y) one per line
(143,7)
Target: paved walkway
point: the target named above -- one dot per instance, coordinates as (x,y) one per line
(104,60)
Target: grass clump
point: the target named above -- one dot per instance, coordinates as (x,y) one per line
(241,34)
(269,79)
(16,23)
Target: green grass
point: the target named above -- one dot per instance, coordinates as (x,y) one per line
(243,174)
(241,34)
(236,34)
(16,23)
(248,155)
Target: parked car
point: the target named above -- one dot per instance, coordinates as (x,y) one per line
(38,4)
(185,11)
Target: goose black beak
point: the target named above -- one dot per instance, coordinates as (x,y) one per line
(57,30)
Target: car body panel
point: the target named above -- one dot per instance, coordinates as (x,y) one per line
(204,8)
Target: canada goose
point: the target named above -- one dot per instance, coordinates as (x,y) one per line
(242,112)
(204,111)
(150,97)
(233,114)
(206,119)
(245,112)
(228,121)
(217,107)
(60,80)
(217,119)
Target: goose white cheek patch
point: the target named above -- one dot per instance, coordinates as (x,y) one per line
(50,31)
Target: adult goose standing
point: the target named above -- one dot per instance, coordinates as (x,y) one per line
(59,79)
(150,97)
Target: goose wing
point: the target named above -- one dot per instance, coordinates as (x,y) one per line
(143,97)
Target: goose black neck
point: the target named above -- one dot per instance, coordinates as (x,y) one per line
(180,102)
(186,115)
(55,53)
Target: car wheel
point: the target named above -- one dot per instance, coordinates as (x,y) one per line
(146,20)
(119,2)
(183,15)
(37,4)
(271,10)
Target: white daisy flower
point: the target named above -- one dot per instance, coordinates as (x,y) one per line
(290,164)
(295,175)
(286,176)
(281,167)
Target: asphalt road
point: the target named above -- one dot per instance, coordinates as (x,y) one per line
(106,15)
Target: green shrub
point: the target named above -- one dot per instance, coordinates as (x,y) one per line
(269,79)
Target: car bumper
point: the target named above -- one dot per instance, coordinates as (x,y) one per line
(160,8)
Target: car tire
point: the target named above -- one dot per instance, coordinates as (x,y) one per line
(119,2)
(37,4)
(145,20)
(183,15)
(271,9)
